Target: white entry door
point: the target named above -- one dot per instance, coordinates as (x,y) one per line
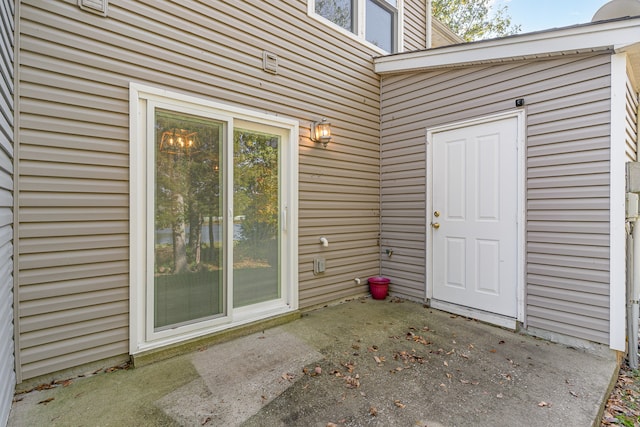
(474,216)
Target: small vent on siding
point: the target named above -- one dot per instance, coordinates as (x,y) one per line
(270,62)
(95,6)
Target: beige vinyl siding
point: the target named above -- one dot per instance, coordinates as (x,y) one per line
(631,122)
(7,372)
(567,178)
(415,28)
(415,24)
(75,73)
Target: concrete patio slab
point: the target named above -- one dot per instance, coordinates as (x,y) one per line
(360,363)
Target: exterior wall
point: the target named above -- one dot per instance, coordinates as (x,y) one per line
(415,28)
(7,374)
(567,163)
(73,164)
(415,24)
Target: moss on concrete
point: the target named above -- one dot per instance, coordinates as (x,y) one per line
(152,356)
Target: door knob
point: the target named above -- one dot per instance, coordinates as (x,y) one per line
(436,214)
(435,225)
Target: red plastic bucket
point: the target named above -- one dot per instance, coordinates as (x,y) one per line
(378,286)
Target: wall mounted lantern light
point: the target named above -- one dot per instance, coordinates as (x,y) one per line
(321,132)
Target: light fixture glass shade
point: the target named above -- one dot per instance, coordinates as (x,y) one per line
(178,141)
(321,132)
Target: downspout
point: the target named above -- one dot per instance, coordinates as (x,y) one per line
(635,285)
(633,268)
(429,25)
(632,301)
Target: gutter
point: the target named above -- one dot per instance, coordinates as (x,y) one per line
(584,38)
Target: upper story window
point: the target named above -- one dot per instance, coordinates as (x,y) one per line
(375,21)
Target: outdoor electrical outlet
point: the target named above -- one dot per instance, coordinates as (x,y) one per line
(319,265)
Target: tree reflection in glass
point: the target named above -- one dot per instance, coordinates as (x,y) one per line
(188,211)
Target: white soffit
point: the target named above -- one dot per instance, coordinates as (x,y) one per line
(616,36)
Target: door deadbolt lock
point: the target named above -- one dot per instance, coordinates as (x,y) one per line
(436,214)
(435,225)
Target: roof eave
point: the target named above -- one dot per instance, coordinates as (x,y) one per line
(595,37)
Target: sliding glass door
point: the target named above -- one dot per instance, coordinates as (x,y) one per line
(256,202)
(213,231)
(188,268)
(217,209)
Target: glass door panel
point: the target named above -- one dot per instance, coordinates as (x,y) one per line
(188,263)
(256,204)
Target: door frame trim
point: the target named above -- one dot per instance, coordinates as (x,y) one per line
(139,96)
(520,116)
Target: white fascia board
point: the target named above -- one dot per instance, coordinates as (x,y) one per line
(563,41)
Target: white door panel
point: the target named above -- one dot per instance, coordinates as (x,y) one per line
(475,205)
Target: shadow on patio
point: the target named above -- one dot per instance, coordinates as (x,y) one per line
(364,362)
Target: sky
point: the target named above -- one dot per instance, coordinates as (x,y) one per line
(535,15)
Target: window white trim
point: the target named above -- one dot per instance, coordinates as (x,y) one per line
(360,31)
(144,98)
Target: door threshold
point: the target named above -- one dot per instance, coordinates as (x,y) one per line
(483,316)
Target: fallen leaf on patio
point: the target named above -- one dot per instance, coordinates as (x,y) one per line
(417,338)
(573,393)
(449,375)
(287,376)
(398,369)
(45,386)
(63,383)
(332,425)
(426,329)
(464,355)
(318,370)
(501,342)
(499,396)
(373,411)
(465,382)
(453,350)
(355,347)
(471,347)
(399,404)
(44,402)
(543,404)
(205,421)
(378,359)
(352,382)
(445,363)
(492,350)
